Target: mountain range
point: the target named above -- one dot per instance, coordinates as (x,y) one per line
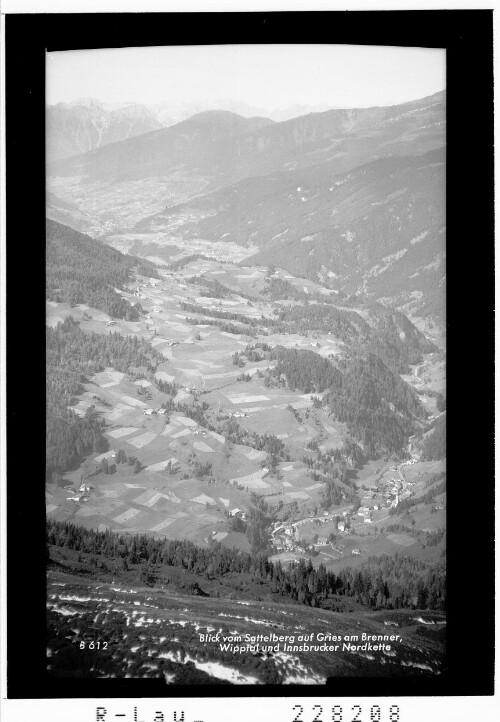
(227,147)
(85,124)
(353,198)
(74,128)
(380,226)
(176,112)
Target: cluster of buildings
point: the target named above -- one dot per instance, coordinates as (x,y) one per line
(238,513)
(285,538)
(394,491)
(366,513)
(385,494)
(389,493)
(82,495)
(171,342)
(138,290)
(154,412)
(199,431)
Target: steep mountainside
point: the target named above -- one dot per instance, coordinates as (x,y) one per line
(85,124)
(177,112)
(67,213)
(150,614)
(378,230)
(227,147)
(193,144)
(82,270)
(353,199)
(433,444)
(74,128)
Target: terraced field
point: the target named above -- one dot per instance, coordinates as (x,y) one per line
(196,462)
(199,360)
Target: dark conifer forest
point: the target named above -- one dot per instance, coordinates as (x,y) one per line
(384,582)
(434,446)
(379,408)
(80,269)
(72,356)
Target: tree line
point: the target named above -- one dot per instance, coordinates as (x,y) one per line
(73,356)
(377,406)
(434,446)
(392,337)
(381,583)
(80,269)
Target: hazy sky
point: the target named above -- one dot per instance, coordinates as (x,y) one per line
(266,76)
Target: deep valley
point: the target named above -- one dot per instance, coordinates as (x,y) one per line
(246,397)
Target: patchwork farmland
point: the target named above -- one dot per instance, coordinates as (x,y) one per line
(165,492)
(208,441)
(246,391)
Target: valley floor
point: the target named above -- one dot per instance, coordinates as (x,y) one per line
(152,632)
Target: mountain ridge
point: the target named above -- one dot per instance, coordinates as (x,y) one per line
(259,147)
(352,198)
(377,230)
(73,128)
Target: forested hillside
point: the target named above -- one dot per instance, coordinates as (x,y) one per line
(382,582)
(82,270)
(434,446)
(389,335)
(71,357)
(80,126)
(378,229)
(305,370)
(396,339)
(379,408)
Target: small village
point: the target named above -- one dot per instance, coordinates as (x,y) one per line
(291,537)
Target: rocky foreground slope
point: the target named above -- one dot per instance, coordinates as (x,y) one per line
(110,629)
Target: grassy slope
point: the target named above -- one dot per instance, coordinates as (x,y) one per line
(142,623)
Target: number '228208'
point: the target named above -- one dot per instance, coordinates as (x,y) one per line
(338,714)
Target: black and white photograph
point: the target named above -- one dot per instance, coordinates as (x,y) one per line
(245,352)
(246,363)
